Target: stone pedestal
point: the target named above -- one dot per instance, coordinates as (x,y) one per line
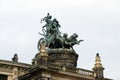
(65,57)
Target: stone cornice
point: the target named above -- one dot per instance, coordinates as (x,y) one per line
(17,64)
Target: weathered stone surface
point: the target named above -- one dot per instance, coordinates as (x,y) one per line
(13,69)
(64,57)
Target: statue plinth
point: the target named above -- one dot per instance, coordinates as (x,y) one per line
(65,57)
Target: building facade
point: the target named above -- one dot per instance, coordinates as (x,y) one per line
(43,69)
(10,70)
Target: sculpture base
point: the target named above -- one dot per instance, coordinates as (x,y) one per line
(66,57)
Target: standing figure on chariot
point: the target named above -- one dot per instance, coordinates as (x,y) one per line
(51,26)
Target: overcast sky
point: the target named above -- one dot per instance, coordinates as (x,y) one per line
(97,22)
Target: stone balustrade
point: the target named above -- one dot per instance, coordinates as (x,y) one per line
(79,71)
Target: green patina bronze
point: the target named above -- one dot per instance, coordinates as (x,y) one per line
(52,36)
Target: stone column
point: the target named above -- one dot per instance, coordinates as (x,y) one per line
(15,72)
